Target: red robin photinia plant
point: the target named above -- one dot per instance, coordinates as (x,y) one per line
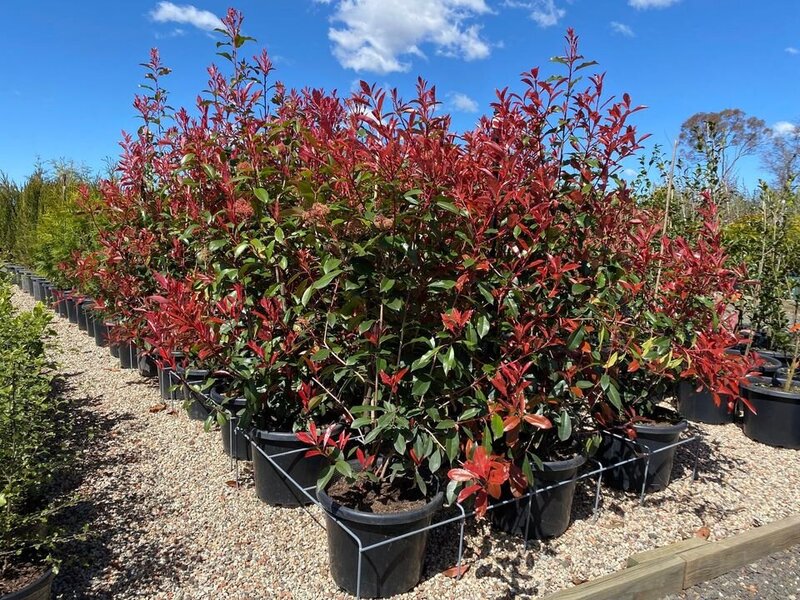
(463,302)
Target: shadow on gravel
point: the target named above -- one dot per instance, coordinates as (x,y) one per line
(95,567)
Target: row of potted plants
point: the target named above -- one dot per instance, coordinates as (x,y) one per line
(426,316)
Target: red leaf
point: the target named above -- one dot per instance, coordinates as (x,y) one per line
(456,571)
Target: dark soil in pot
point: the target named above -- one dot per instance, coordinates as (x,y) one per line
(390,569)
(27,582)
(649,438)
(776,421)
(698,406)
(272,486)
(550,511)
(234,443)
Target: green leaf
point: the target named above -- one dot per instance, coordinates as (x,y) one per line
(425,359)
(435,461)
(361,422)
(400,443)
(386,285)
(497,426)
(451,445)
(576,338)
(564,426)
(261,194)
(239,249)
(217,244)
(326,279)
(307,295)
(325,477)
(321,354)
(446,284)
(527,470)
(420,387)
(470,413)
(448,206)
(279,235)
(483,325)
(331,264)
(613,395)
(446,424)
(578,289)
(448,360)
(395,304)
(344,468)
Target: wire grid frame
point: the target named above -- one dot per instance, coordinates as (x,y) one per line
(643,453)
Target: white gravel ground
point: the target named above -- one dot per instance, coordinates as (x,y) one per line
(167,523)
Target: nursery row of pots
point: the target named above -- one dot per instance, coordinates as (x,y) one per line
(283,473)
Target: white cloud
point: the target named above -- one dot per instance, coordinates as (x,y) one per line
(463,103)
(622,29)
(378,36)
(545,12)
(782,128)
(792,50)
(167,12)
(652,3)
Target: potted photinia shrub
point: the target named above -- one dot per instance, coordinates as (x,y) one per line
(392,343)
(681,288)
(551,221)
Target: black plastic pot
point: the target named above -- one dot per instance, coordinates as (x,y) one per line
(776,421)
(39,589)
(550,511)
(630,476)
(26,282)
(85,306)
(100,331)
(127,355)
(699,406)
(272,486)
(146,365)
(165,382)
(60,303)
(90,323)
(387,570)
(234,443)
(774,361)
(36,288)
(80,305)
(72,309)
(195,407)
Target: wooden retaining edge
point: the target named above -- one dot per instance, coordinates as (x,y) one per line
(669,570)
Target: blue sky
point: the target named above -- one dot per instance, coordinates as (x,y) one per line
(70,69)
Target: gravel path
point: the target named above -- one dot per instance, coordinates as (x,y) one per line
(167,523)
(776,577)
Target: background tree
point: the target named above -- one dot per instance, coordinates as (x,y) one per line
(714,142)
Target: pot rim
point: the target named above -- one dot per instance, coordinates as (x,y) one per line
(567,464)
(768,390)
